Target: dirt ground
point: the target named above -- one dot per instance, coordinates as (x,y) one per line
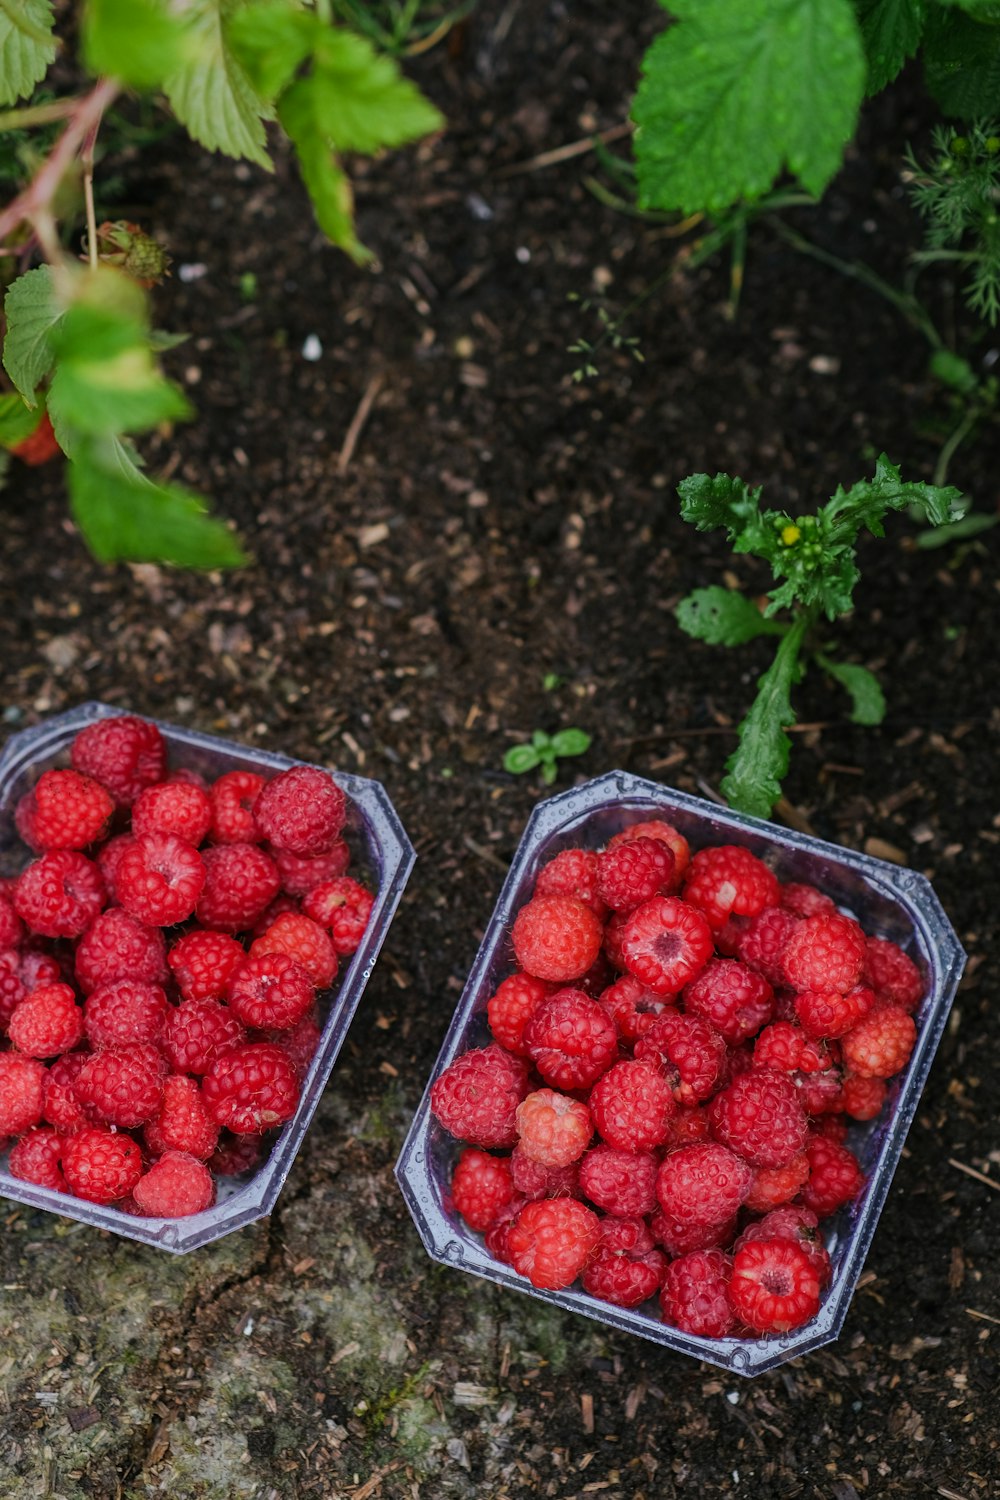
(495,525)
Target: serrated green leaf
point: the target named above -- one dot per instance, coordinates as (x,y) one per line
(140,42)
(31,311)
(962,64)
(867,697)
(27,46)
(211,94)
(865,504)
(17,420)
(521,758)
(758,765)
(736,92)
(570,742)
(326,183)
(362,101)
(891,31)
(272,39)
(980,10)
(723,618)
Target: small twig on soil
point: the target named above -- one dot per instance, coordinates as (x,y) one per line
(949,1494)
(566,153)
(484,854)
(971,1172)
(357,423)
(975,1313)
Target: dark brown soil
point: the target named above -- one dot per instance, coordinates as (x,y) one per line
(496,523)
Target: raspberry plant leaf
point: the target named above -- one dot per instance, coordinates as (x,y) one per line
(326,183)
(362,101)
(867,697)
(723,618)
(211,93)
(272,40)
(140,42)
(17,420)
(758,765)
(962,62)
(27,46)
(31,313)
(891,31)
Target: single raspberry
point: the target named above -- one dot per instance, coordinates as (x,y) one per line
(614,936)
(881,1044)
(47,1022)
(533,1181)
(182,1122)
(300,1042)
(773,1186)
(572,873)
(302,873)
(198,1033)
(634,872)
(101,1165)
(159,879)
(481,1187)
(116,946)
(299,937)
(819,1093)
(694,1296)
(554,1129)
(892,974)
(571,1038)
(302,810)
(784,1047)
(235,1154)
(175,1187)
(551,1242)
(497,1237)
(682,1237)
(703,1184)
(511,1006)
(64,810)
(122,1085)
(176,807)
(729,879)
(825,953)
(665,943)
(556,938)
(60,1106)
(773,1287)
(232,799)
(732,998)
(691,1053)
(203,962)
(270,990)
(633,1106)
(760,1117)
(126,1011)
(626,1269)
(124,754)
(21,1083)
(763,941)
(793,1222)
(39,446)
(252,1088)
(657,829)
(862,1098)
(240,882)
(108,858)
(690,1125)
(806,901)
(11,926)
(60,894)
(632,1006)
(622,1183)
(16,982)
(832,1015)
(36,1157)
(476,1097)
(835,1176)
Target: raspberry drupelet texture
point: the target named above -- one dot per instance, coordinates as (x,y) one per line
(556,938)
(627,1268)
(203,962)
(64,810)
(159,879)
(46,1022)
(481,1187)
(60,894)
(622,1183)
(732,998)
(36,1158)
(682,1236)
(231,802)
(127,1010)
(633,872)
(881,1044)
(830,1014)
(60,1106)
(862,1098)
(665,943)
(343,906)
(572,873)
(773,1186)
(571,1039)
(241,881)
(122,1086)
(825,953)
(759,1116)
(302,810)
(533,1181)
(762,943)
(304,940)
(784,1047)
(476,1097)
(892,974)
(251,1089)
(774,1286)
(21,1084)
(795,1222)
(633,1106)
(174,1187)
(11,926)
(101,1165)
(270,990)
(175,807)
(124,754)
(182,1122)
(694,1296)
(116,946)
(552,1241)
(729,880)
(702,1184)
(691,1053)
(108,857)
(198,1032)
(553,1129)
(657,829)
(302,873)
(632,1006)
(511,1007)
(835,1177)
(806,901)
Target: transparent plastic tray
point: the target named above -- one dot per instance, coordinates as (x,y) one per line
(381,854)
(890,902)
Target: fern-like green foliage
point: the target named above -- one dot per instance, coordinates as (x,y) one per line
(956,190)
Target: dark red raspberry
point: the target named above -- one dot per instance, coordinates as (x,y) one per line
(682,1237)
(773,1186)
(240,882)
(476,1097)
(116,946)
(533,1181)
(691,1053)
(892,974)
(101,1165)
(729,879)
(572,1039)
(497,1237)
(784,1047)
(64,810)
(302,810)
(702,1184)
(632,1106)
(572,873)
(825,953)
(553,1129)
(729,935)
(806,901)
(126,1011)
(657,829)
(108,858)
(232,799)
(300,1042)
(881,1044)
(203,962)
(835,1177)
(182,1122)
(159,879)
(614,934)
(304,940)
(198,1033)
(301,874)
(121,1085)
(481,1187)
(60,1106)
(763,941)
(281,906)
(47,1022)
(862,1098)
(633,1007)
(690,1125)
(832,1015)
(627,1269)
(556,938)
(124,754)
(11,926)
(760,1117)
(21,1082)
(175,1187)
(694,1297)
(235,1154)
(60,894)
(251,1089)
(819,1093)
(732,998)
(774,1287)
(36,1157)
(634,872)
(552,1241)
(511,1007)
(173,807)
(270,990)
(665,943)
(796,1223)
(622,1183)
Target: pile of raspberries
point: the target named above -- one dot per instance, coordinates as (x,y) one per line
(160,963)
(664,1106)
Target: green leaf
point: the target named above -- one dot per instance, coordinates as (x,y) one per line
(363,103)
(540,740)
(962,64)
(723,618)
(740,89)
(891,31)
(867,697)
(27,46)
(139,41)
(570,742)
(272,40)
(125,515)
(17,420)
(866,503)
(211,94)
(326,183)
(957,531)
(758,765)
(953,371)
(31,312)
(521,758)
(550,770)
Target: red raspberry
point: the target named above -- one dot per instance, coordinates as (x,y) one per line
(665,943)
(11,926)
(792,1222)
(657,829)
(694,1295)
(184,776)
(806,901)
(614,935)
(571,1038)
(301,938)
(481,1187)
(198,1033)
(732,998)
(862,1098)
(126,1011)
(64,810)
(690,1125)
(60,1106)
(554,1129)
(159,879)
(892,974)
(622,1183)
(774,1287)
(831,1015)
(21,1082)
(835,1176)
(235,1154)
(556,938)
(476,1097)
(300,1042)
(511,1007)
(232,799)
(784,1047)
(819,1093)
(632,1106)
(251,1089)
(108,858)
(240,882)
(763,942)
(683,1237)
(572,873)
(880,1045)
(47,1022)
(124,754)
(729,935)
(627,1268)
(551,1242)
(123,1085)
(175,807)
(174,1187)
(497,1237)
(703,1184)
(270,990)
(116,946)
(182,1123)
(100,1165)
(302,810)
(281,906)
(773,1186)
(533,1181)
(39,446)
(60,894)
(760,1117)
(634,872)
(729,879)
(203,962)
(691,1053)
(35,1158)
(301,874)
(633,1007)
(825,953)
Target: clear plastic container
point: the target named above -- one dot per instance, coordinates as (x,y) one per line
(382,855)
(890,902)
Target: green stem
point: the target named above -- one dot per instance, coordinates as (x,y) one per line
(37,114)
(954,442)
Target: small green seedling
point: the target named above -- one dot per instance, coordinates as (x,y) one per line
(546,750)
(813,559)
